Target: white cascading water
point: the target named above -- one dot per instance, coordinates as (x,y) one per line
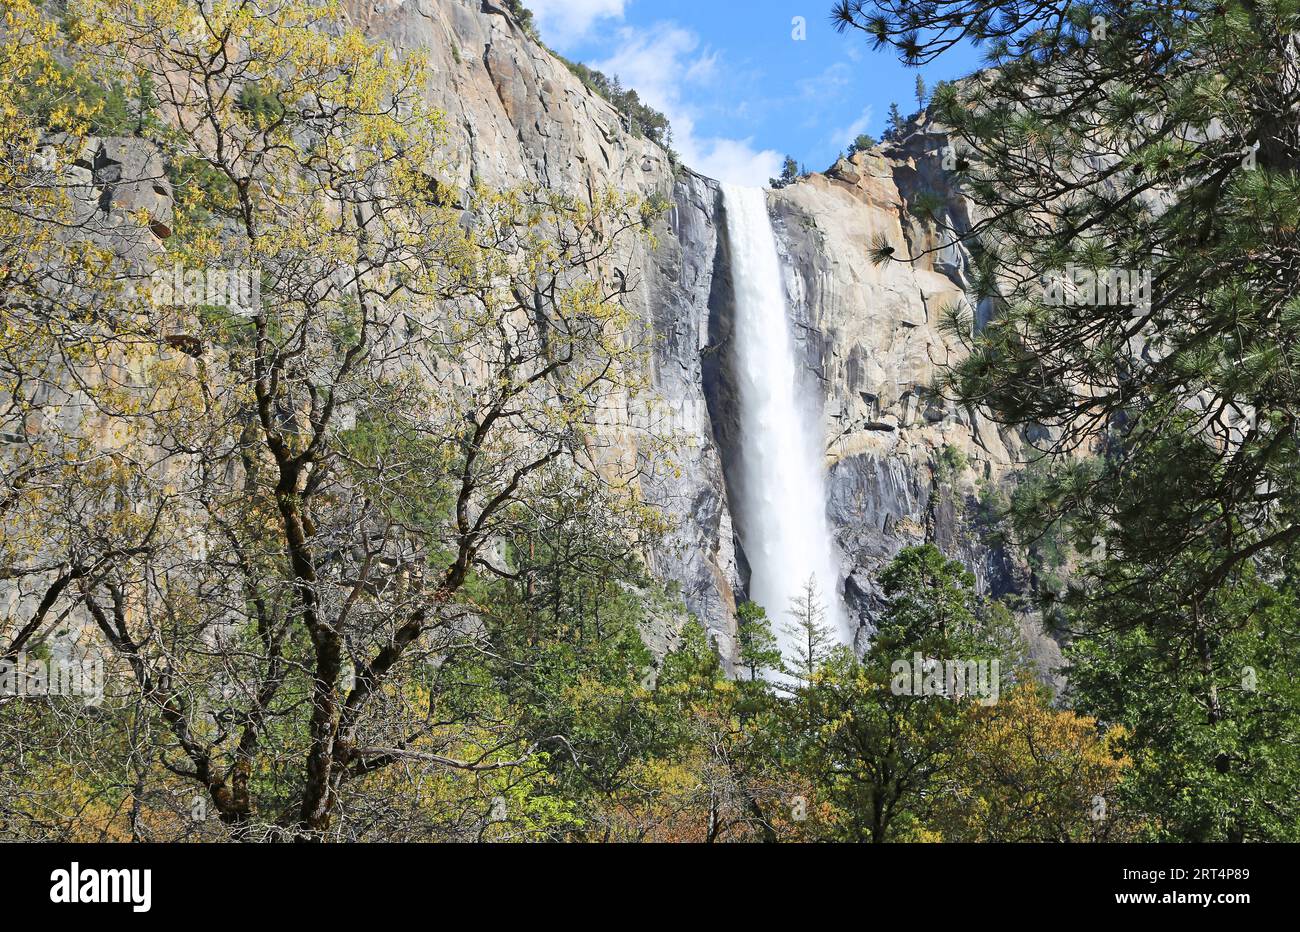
(781,485)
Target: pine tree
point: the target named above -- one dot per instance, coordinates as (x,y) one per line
(1136,252)
(789,173)
(808,629)
(895,119)
(862,143)
(874,753)
(922,93)
(759,652)
(1215,714)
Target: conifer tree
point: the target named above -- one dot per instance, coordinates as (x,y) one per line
(789,173)
(808,629)
(895,119)
(758,648)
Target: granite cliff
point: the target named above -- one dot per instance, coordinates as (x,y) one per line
(906,466)
(870,334)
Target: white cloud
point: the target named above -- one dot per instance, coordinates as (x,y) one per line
(842,137)
(832,80)
(656,62)
(565,22)
(664,64)
(736,161)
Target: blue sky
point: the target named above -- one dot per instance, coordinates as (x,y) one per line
(740,90)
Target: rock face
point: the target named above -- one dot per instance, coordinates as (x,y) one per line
(515,113)
(906,466)
(904,461)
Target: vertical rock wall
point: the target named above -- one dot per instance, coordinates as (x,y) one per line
(516,113)
(869,333)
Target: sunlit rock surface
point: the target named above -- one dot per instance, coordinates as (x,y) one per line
(870,333)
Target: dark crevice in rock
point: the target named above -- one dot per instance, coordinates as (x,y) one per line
(721,391)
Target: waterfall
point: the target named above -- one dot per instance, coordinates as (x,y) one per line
(780,501)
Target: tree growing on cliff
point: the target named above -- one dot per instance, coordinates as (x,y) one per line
(643,120)
(861,144)
(789,173)
(896,122)
(524,17)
